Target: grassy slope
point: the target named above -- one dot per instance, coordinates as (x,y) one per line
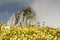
(28,33)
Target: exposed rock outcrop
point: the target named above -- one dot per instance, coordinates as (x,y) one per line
(22,18)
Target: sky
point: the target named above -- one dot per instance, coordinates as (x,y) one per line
(9,7)
(46,10)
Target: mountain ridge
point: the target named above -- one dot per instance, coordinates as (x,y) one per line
(22,17)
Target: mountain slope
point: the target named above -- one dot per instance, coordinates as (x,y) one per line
(22,18)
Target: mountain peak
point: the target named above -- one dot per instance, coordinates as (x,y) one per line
(22,17)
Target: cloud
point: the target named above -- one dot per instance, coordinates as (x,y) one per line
(47,10)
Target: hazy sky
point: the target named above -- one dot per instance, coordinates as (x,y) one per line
(46,10)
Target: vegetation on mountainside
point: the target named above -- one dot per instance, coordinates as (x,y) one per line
(28,33)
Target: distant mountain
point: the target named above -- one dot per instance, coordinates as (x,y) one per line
(22,18)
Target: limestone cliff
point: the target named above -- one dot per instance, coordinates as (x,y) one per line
(22,18)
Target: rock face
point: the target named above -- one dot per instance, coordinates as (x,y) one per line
(22,18)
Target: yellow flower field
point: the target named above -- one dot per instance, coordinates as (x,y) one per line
(29,33)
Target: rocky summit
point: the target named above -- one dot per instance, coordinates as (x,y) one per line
(22,18)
